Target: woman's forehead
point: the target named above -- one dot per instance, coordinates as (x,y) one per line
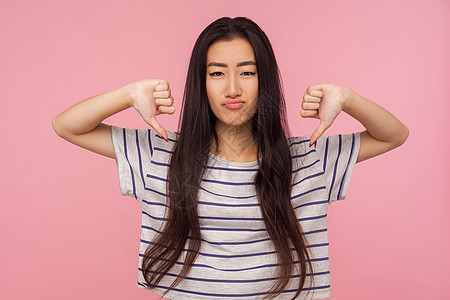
(233,51)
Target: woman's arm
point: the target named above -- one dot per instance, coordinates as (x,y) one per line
(383,132)
(81,123)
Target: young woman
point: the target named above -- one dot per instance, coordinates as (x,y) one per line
(232,206)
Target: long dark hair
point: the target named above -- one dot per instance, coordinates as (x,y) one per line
(190,156)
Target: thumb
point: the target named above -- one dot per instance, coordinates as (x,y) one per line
(318,132)
(158,128)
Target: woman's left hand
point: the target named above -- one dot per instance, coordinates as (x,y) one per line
(324,102)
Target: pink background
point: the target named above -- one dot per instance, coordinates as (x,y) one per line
(67,233)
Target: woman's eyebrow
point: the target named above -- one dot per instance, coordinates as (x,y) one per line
(239,64)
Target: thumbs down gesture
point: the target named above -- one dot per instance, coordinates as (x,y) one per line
(324,102)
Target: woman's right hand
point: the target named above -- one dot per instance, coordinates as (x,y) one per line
(152,97)
(81,124)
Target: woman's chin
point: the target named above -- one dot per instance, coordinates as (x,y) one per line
(235,122)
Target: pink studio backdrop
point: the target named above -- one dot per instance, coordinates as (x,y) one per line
(67,233)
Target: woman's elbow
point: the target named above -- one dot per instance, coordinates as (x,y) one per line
(57,127)
(402,136)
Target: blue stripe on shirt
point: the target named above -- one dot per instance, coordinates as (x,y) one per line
(202,188)
(307,192)
(156,192)
(315,231)
(230,219)
(236,219)
(236,243)
(348,165)
(210,167)
(235,255)
(231,169)
(228,205)
(231,229)
(250,242)
(168,138)
(206,180)
(335,168)
(240,295)
(149,134)
(226,196)
(243,269)
(238,281)
(239,243)
(259,229)
(305,167)
(309,177)
(154,203)
(228,183)
(162,149)
(325,155)
(126,156)
(156,177)
(160,163)
(153,217)
(209,242)
(313,218)
(304,154)
(312,203)
(138,147)
(298,142)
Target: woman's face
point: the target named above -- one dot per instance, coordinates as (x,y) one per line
(232,82)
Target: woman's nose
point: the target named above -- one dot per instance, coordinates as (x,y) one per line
(233,88)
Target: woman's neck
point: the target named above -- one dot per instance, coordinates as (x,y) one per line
(236,143)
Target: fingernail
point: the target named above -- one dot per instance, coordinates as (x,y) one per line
(165,139)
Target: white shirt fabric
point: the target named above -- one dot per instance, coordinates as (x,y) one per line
(237,259)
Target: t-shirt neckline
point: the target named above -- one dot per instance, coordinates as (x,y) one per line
(233,163)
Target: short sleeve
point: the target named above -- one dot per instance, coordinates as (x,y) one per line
(337,155)
(133,149)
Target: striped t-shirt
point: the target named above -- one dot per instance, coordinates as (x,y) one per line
(237,259)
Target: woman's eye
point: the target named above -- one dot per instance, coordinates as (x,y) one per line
(218,73)
(215,74)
